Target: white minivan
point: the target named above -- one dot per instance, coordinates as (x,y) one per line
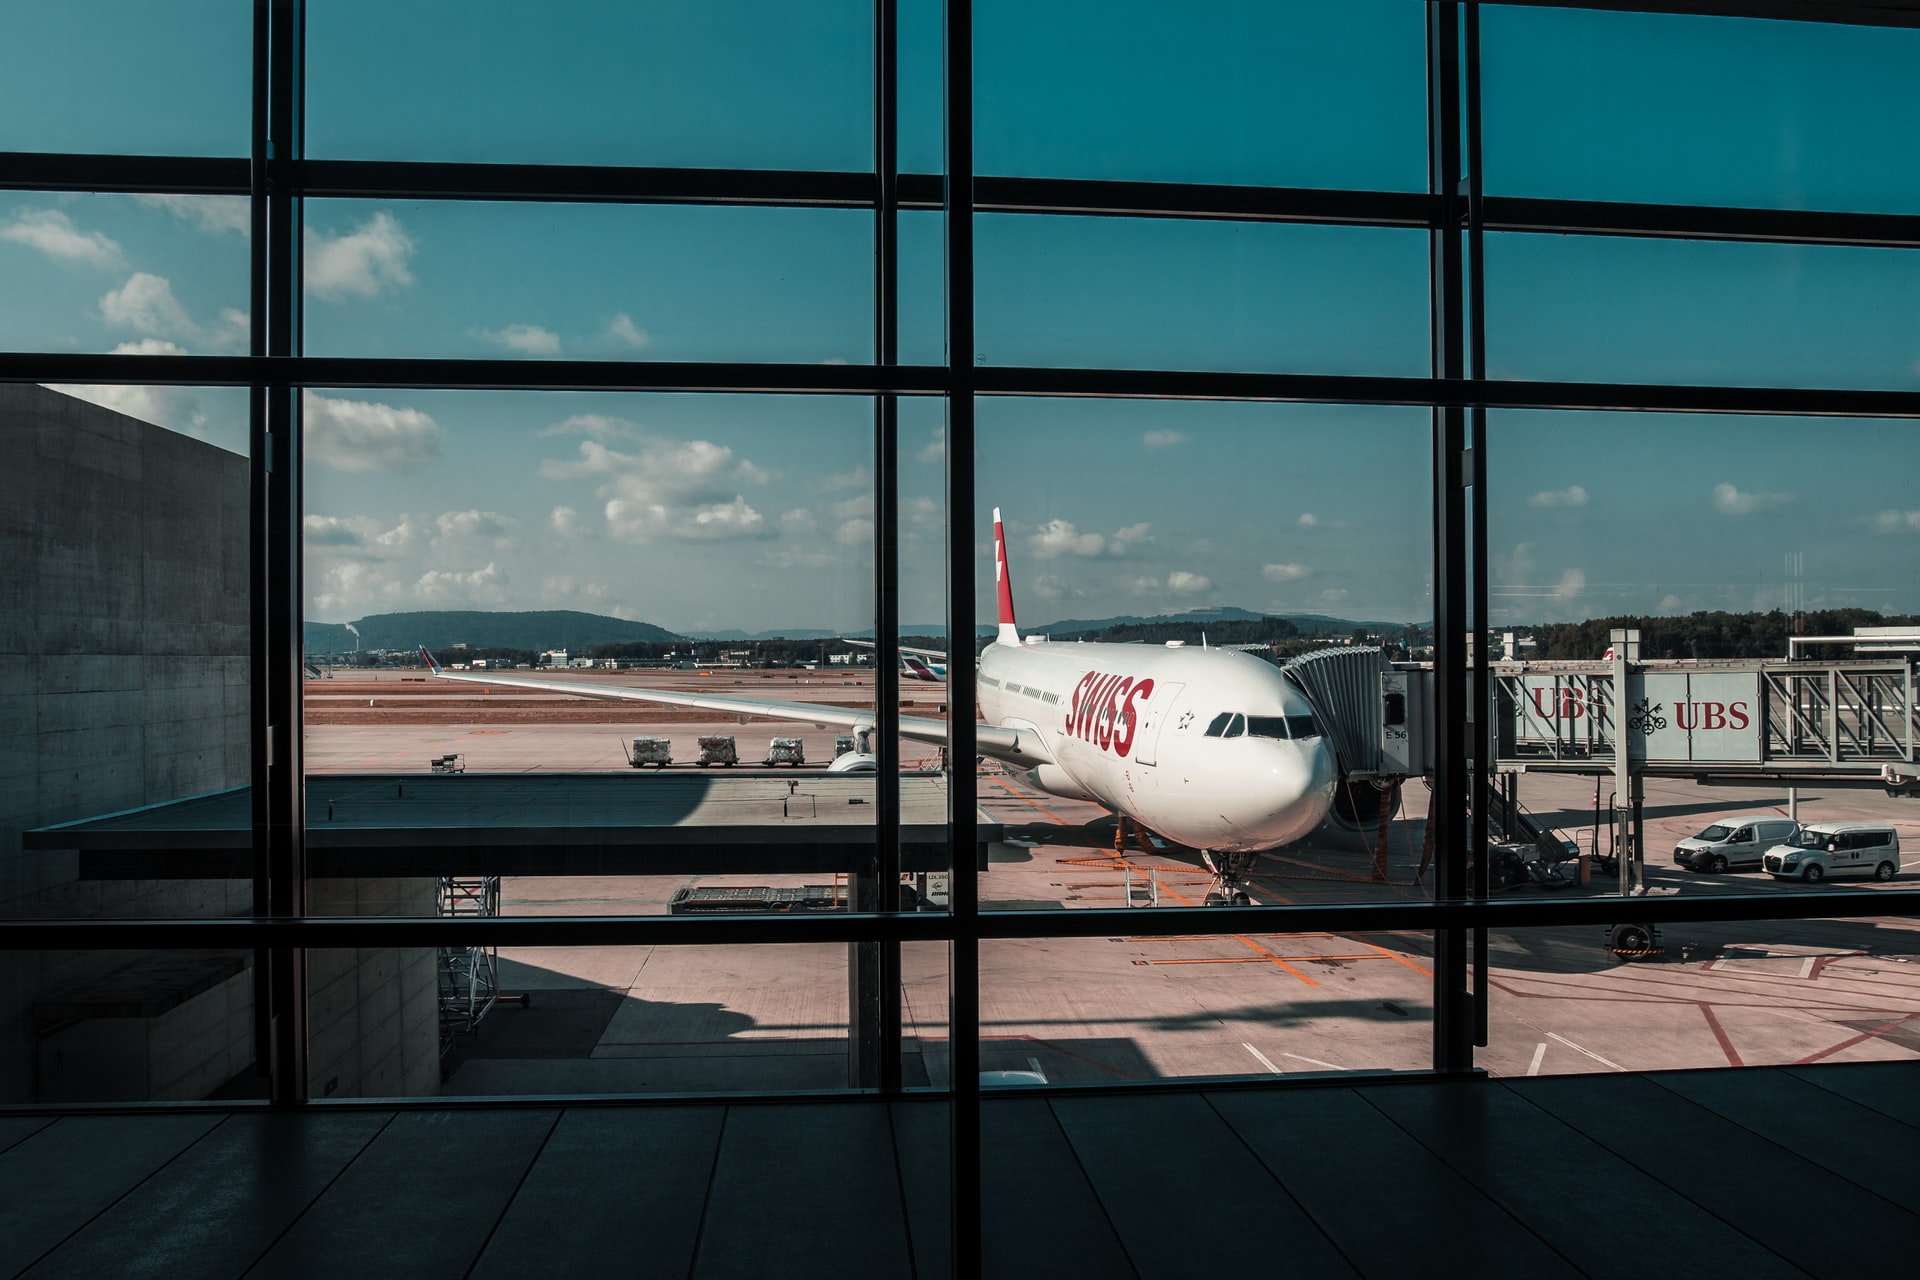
(1734,842)
(1825,849)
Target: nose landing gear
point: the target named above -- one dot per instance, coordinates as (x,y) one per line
(1229,878)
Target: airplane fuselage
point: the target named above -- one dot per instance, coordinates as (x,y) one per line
(1208,747)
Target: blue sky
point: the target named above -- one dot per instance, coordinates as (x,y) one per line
(723,511)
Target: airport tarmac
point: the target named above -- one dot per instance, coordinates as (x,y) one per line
(678,1019)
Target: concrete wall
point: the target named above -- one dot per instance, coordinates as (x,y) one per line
(373,1013)
(123,676)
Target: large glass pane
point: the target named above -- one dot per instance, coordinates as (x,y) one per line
(127,77)
(124,665)
(1765,993)
(1223,547)
(588,281)
(749,84)
(459,1022)
(1615,309)
(1680,109)
(1725,546)
(102,1026)
(146,274)
(1219,93)
(1168,294)
(1129,1009)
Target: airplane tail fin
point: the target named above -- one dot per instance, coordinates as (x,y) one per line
(428,659)
(1009,633)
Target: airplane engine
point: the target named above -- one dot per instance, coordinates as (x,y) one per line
(1053,780)
(1358,805)
(853,762)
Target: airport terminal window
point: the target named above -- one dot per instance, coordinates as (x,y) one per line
(631,279)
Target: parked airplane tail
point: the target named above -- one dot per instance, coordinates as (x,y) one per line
(428,659)
(1009,633)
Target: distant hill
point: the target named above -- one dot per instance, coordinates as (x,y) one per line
(441,629)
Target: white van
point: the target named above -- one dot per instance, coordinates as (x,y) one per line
(1734,842)
(1825,849)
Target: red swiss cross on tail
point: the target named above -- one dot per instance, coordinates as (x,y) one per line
(1009,633)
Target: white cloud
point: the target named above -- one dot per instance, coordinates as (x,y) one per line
(622,329)
(1334,595)
(1285,572)
(214,215)
(363,263)
(733,519)
(599,426)
(1307,520)
(1731,501)
(474,523)
(565,521)
(934,450)
(1897,521)
(1571,496)
(858,478)
(175,408)
(1144,586)
(476,586)
(1183,583)
(361,435)
(852,507)
(799,520)
(1670,604)
(1571,584)
(669,488)
(854,532)
(146,302)
(527,339)
(1062,538)
(331,531)
(922,511)
(52,232)
(1163,439)
(348,587)
(149,347)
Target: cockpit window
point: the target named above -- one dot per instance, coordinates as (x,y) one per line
(1219,725)
(1282,727)
(1236,727)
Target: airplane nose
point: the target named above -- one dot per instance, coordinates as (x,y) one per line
(1292,797)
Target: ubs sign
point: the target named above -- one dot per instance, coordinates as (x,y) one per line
(1705,717)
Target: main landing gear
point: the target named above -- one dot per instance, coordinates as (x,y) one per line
(1229,878)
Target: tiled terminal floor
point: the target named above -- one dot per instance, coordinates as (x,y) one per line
(1752,1173)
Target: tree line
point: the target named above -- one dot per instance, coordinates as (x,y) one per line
(1712,634)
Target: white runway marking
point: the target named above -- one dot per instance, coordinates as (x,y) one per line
(1533,1068)
(1313,1062)
(1552,1035)
(1262,1058)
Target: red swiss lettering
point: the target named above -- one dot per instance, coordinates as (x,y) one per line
(1123,733)
(1737,715)
(1107,710)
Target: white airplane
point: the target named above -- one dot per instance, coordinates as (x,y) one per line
(1209,748)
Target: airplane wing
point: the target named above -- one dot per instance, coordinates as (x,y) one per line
(1015,746)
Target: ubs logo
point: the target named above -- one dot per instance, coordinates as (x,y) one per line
(1105,709)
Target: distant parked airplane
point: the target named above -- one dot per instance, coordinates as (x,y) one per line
(915,664)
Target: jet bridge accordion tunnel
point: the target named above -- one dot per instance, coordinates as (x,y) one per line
(1375,716)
